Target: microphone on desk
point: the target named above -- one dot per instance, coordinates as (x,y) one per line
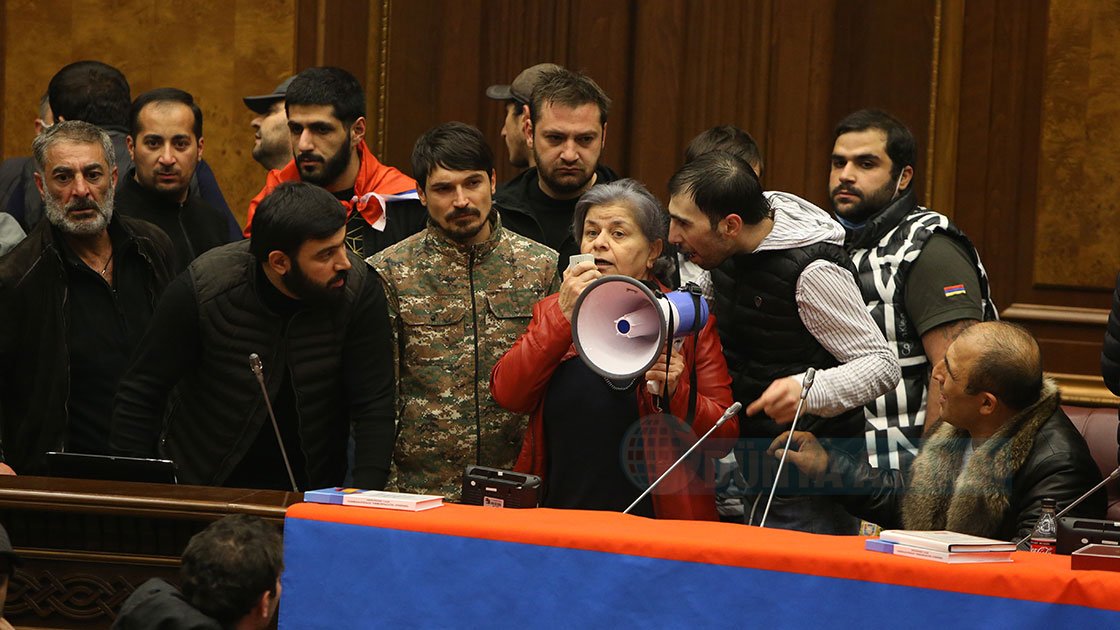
(806,383)
(258,371)
(1113,475)
(729,413)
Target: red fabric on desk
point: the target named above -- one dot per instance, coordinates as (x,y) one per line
(1030,577)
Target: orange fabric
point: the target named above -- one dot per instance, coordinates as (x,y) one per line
(373,176)
(1030,577)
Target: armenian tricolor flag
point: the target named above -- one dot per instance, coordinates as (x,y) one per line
(956,289)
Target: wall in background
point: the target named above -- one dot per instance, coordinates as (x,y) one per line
(1012,103)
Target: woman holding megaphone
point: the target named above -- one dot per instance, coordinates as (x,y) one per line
(597,439)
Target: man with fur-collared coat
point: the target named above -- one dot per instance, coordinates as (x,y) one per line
(1003,446)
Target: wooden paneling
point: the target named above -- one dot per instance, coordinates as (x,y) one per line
(1016,76)
(1080,133)
(218,50)
(86,545)
(4,53)
(883,58)
(1012,107)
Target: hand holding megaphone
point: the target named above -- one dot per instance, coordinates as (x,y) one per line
(656,375)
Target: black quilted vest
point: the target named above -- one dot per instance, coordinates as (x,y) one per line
(217,409)
(763,336)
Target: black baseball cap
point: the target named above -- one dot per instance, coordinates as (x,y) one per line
(261,104)
(522,87)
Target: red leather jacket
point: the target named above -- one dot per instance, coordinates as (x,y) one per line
(520,379)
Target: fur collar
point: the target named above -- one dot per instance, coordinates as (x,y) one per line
(975,502)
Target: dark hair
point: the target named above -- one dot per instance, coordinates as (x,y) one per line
(163,95)
(230,564)
(293,213)
(901,148)
(727,138)
(571,89)
(721,184)
(328,85)
(454,146)
(91,91)
(1009,365)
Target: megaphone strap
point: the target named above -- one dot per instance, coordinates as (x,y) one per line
(694,290)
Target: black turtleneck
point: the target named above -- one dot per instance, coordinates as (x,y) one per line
(194,225)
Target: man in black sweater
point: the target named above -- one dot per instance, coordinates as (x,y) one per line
(165,143)
(313,313)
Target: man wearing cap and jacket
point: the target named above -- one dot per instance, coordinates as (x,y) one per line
(272,148)
(516,96)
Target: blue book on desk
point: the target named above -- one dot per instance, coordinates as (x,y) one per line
(882,546)
(329,495)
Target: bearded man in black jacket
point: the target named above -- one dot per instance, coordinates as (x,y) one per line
(75,298)
(315,315)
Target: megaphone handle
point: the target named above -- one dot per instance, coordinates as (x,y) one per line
(655,387)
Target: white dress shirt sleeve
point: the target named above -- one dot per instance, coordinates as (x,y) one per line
(833,311)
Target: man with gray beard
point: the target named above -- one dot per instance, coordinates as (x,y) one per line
(75,297)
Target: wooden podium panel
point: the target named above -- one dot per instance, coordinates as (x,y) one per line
(86,545)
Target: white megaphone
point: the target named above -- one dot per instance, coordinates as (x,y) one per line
(619,325)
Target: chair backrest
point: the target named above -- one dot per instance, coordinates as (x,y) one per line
(1099,426)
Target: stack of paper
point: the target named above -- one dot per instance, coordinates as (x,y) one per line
(942,546)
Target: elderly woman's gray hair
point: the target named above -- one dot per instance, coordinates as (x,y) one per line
(651,218)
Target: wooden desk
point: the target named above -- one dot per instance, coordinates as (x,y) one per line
(473,567)
(87,544)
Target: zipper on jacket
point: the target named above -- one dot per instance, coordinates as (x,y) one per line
(64,330)
(295,401)
(474,323)
(186,237)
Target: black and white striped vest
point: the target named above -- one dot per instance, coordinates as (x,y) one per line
(895,419)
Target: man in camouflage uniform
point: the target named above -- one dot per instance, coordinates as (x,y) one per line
(459,293)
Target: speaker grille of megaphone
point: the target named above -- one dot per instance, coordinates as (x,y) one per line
(619,325)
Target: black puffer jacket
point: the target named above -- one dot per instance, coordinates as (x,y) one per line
(204,411)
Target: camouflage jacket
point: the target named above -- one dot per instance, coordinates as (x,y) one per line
(455,311)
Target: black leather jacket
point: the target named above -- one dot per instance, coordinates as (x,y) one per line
(34,357)
(1057,465)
